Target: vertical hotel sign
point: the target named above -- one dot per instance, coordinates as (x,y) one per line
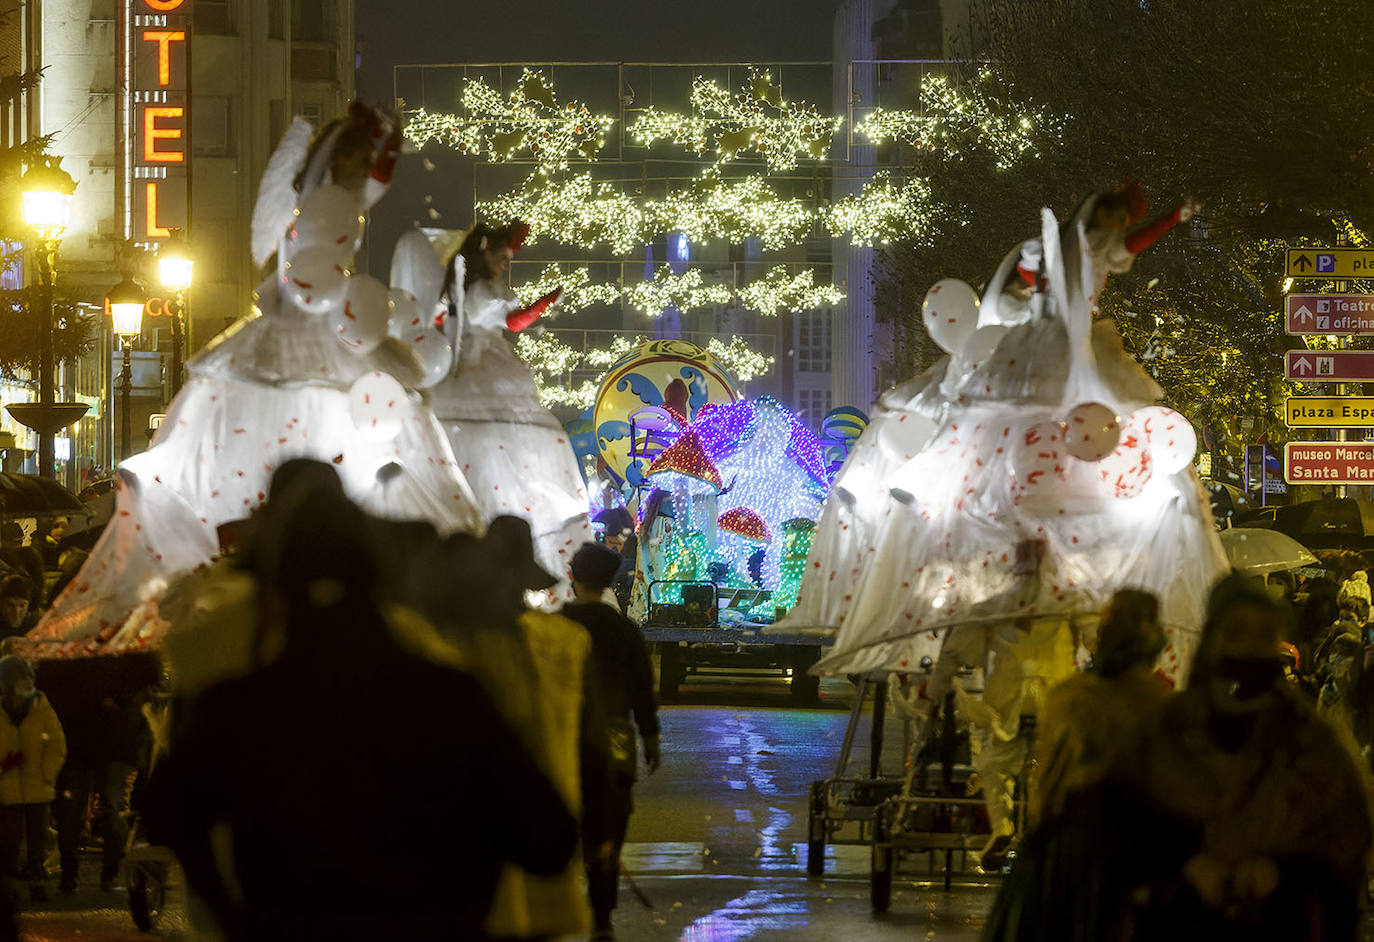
(155,131)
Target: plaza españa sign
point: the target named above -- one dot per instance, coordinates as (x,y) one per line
(1329,411)
(156,117)
(1337,366)
(1330,263)
(1328,462)
(1344,314)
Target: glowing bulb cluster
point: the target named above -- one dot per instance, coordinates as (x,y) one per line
(755,120)
(527,121)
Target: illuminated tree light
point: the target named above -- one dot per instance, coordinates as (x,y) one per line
(754,120)
(740,359)
(579,293)
(883,212)
(685,292)
(527,121)
(776,292)
(576,210)
(734,210)
(949,114)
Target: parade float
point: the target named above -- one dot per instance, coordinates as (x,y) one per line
(985,516)
(725,491)
(329,365)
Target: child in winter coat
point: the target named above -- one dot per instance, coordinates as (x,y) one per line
(32,750)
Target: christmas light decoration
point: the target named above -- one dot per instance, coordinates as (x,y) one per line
(746,524)
(743,361)
(579,292)
(882,211)
(949,113)
(777,292)
(576,210)
(685,292)
(754,120)
(686,457)
(500,127)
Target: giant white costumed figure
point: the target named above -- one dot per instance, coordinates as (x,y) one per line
(311,373)
(513,450)
(995,503)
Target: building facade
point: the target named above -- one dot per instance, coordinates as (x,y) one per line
(165,112)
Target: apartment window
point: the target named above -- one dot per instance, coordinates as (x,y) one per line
(214,17)
(308,21)
(276,19)
(212,127)
(812,405)
(813,342)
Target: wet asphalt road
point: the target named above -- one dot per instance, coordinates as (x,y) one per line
(717,842)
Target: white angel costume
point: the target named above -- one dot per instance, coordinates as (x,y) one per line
(511,449)
(990,521)
(277,385)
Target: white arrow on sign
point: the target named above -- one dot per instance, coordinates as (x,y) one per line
(1303,315)
(1302,366)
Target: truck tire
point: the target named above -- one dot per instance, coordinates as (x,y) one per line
(806,686)
(671,671)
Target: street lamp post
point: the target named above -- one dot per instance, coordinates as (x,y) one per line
(174,266)
(126,301)
(47,192)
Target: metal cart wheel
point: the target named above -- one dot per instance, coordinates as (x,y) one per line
(147,893)
(815,834)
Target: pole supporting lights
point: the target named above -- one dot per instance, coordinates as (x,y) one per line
(126,301)
(47,198)
(174,267)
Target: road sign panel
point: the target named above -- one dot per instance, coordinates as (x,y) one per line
(1339,366)
(1329,313)
(1328,462)
(1329,411)
(1330,263)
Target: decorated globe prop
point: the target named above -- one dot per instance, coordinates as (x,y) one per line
(672,375)
(840,431)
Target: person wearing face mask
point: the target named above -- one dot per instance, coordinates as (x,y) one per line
(32,750)
(1240,812)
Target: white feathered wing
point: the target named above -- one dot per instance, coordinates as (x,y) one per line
(277,192)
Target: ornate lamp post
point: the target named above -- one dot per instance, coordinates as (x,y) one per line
(174,267)
(47,193)
(126,301)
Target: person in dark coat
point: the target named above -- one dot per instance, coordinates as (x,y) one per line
(625,690)
(367,791)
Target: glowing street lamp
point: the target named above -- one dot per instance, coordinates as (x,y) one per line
(174,268)
(47,192)
(126,301)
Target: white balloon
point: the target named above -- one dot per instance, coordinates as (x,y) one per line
(360,321)
(378,404)
(1036,458)
(902,435)
(1091,431)
(1172,439)
(330,218)
(405,313)
(315,280)
(1130,466)
(432,350)
(980,347)
(950,313)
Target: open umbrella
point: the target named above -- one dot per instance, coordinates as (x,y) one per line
(1330,523)
(28,495)
(1255,551)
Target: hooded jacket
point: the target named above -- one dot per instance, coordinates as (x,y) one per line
(37,740)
